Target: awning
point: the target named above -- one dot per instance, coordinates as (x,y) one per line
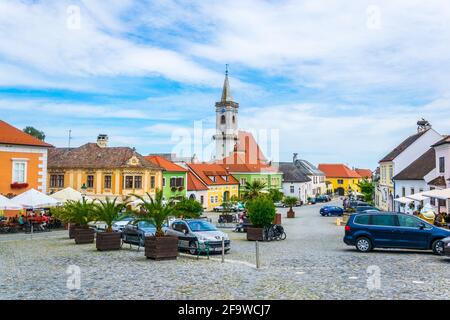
(7,204)
(67,194)
(402,200)
(442,194)
(33,199)
(417,196)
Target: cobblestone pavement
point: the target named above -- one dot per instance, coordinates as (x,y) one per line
(312,263)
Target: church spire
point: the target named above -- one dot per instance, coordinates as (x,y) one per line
(226,92)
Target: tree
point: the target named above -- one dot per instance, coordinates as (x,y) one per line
(188,208)
(290,202)
(276,195)
(35,133)
(155,211)
(253,190)
(80,212)
(261,211)
(108,211)
(367,189)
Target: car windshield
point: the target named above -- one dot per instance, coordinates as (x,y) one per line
(145,225)
(201,226)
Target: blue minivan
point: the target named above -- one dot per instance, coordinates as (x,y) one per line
(392,230)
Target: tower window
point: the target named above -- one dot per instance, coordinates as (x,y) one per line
(234,119)
(222,119)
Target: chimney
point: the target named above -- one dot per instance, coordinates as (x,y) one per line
(423,125)
(294,158)
(102,140)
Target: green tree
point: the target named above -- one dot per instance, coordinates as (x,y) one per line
(252,189)
(188,208)
(276,195)
(155,211)
(261,211)
(35,132)
(108,211)
(367,189)
(80,212)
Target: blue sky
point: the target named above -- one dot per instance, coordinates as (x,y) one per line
(340,81)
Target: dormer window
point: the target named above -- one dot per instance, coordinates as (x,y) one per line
(212,178)
(225,178)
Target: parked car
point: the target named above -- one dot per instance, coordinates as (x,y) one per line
(136,231)
(323,198)
(193,234)
(445,246)
(367,231)
(331,211)
(354,204)
(361,209)
(312,200)
(97,225)
(118,225)
(279,204)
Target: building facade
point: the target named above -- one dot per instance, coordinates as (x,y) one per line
(197,190)
(174,178)
(102,171)
(343,179)
(23,161)
(398,159)
(296,182)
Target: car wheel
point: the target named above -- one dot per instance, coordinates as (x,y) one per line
(192,247)
(437,249)
(329,214)
(363,244)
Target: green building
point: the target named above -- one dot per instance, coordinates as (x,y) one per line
(174,177)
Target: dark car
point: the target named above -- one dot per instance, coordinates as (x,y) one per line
(361,209)
(331,211)
(367,231)
(312,200)
(354,204)
(323,198)
(444,247)
(135,232)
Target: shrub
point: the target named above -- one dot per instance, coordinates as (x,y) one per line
(290,201)
(188,208)
(261,212)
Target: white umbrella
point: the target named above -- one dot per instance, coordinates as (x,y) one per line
(417,196)
(402,200)
(442,194)
(7,204)
(33,199)
(68,194)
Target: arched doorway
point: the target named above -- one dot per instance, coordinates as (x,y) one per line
(226,196)
(340,191)
(192,197)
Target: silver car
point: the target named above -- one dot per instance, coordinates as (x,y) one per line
(195,234)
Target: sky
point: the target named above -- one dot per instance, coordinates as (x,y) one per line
(334,81)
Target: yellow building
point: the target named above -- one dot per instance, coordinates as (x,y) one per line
(342,178)
(222,186)
(102,171)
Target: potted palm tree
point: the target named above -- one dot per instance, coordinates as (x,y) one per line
(261,212)
(290,202)
(156,212)
(80,213)
(108,211)
(253,189)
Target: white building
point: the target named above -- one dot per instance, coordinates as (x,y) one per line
(295,181)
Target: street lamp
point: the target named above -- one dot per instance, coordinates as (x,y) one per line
(83,191)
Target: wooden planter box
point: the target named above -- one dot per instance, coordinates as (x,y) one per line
(277,219)
(161,248)
(72,227)
(106,241)
(291,214)
(228,218)
(84,235)
(255,234)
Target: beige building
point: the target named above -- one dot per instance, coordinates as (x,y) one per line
(102,171)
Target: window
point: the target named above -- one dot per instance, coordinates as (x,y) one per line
(383,220)
(137,182)
(441,164)
(403,191)
(242,181)
(152,182)
(107,182)
(234,119)
(164,182)
(340,181)
(57,181)
(225,178)
(173,182)
(292,189)
(212,178)
(408,221)
(90,181)
(19,171)
(391,172)
(362,219)
(202,199)
(217,199)
(432,200)
(180,182)
(412,190)
(212,199)
(129,182)
(222,119)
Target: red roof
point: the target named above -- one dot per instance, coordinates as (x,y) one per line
(165,164)
(338,171)
(14,136)
(206,171)
(365,173)
(194,183)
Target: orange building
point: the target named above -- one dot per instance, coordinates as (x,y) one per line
(23,161)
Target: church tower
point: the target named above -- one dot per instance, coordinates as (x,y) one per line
(226,122)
